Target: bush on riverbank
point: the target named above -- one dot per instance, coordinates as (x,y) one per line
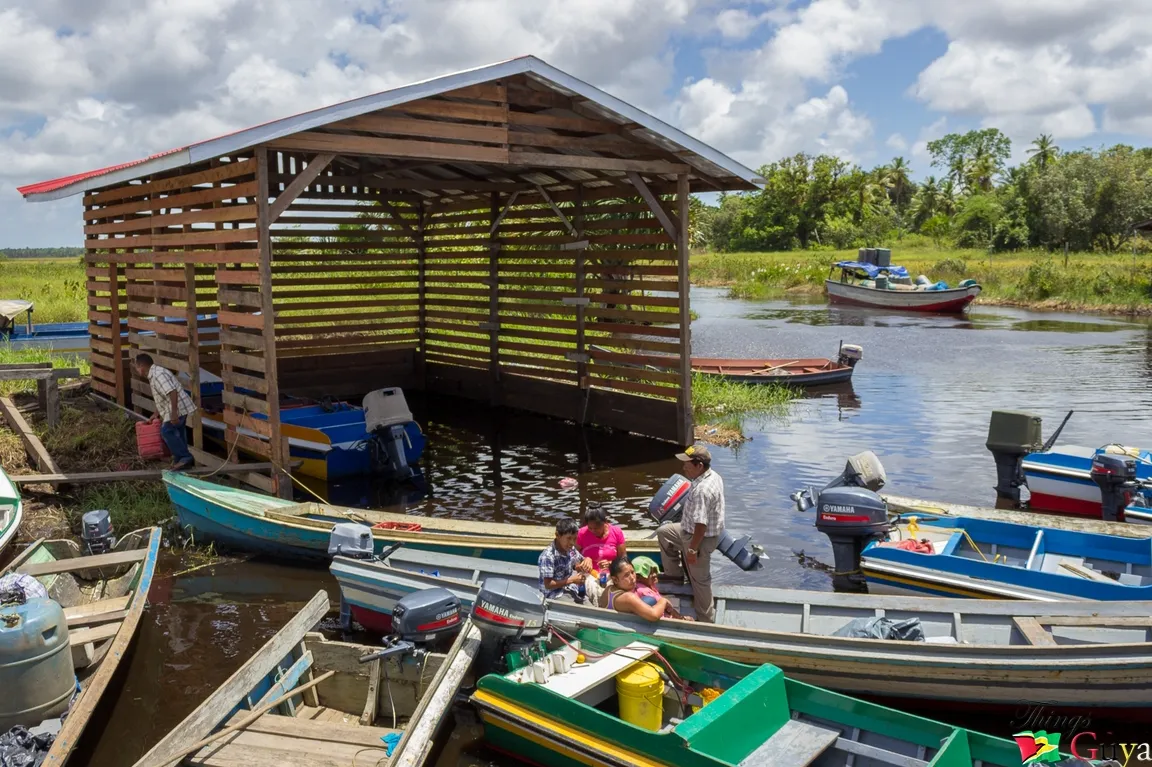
(1090,281)
(722,407)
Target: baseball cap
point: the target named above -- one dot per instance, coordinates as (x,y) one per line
(695,453)
(644,566)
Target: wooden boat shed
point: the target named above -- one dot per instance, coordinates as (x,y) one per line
(475,234)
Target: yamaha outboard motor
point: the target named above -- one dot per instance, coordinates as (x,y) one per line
(96,532)
(851,514)
(385,415)
(668,506)
(1115,475)
(422,622)
(1011,436)
(511,618)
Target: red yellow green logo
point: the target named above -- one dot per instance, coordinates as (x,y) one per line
(1038,746)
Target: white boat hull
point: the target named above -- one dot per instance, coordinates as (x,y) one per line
(952,300)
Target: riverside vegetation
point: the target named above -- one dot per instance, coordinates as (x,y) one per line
(1007,227)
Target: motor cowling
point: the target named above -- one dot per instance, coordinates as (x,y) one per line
(96,531)
(427,616)
(1115,475)
(1011,436)
(386,416)
(850,354)
(511,617)
(349,539)
(668,506)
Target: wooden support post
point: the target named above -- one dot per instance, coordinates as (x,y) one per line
(494,298)
(122,386)
(655,205)
(276,443)
(422,287)
(581,262)
(305,177)
(190,314)
(48,397)
(687,431)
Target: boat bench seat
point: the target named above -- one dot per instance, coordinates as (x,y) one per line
(796,744)
(278,741)
(721,728)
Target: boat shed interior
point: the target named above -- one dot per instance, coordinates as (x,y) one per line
(508,234)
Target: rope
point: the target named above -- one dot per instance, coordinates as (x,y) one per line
(913,528)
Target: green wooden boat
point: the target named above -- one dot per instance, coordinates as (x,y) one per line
(706,712)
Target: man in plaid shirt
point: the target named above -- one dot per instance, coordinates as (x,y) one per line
(173,406)
(562,567)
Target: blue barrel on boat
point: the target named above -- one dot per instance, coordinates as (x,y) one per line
(36,673)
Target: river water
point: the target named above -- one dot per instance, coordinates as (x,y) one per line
(920,399)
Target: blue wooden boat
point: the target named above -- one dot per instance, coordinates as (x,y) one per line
(331,441)
(302,699)
(962,556)
(281,528)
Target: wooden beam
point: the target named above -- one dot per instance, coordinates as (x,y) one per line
(73,564)
(494,297)
(541,160)
(654,204)
(1033,631)
(559,213)
(496,219)
(298,185)
(687,432)
(32,444)
(371,146)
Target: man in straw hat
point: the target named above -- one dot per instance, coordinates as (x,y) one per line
(697,533)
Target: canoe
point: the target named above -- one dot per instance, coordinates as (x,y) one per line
(990,652)
(330,441)
(711,713)
(1002,560)
(103,597)
(281,528)
(11,510)
(791,372)
(348,718)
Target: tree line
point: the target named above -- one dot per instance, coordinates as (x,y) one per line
(1083,200)
(40,252)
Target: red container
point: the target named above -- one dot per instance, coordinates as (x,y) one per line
(149,443)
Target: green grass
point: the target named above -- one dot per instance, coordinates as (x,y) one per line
(719,402)
(1090,281)
(55,285)
(10,356)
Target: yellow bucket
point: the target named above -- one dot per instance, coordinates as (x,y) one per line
(641,693)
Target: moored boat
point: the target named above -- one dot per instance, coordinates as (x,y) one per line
(302,699)
(103,598)
(992,652)
(1002,560)
(11,510)
(604,700)
(891,287)
(282,528)
(791,372)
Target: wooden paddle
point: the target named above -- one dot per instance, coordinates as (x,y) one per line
(774,367)
(245,721)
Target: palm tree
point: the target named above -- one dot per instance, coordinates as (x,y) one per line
(1044,151)
(981,171)
(897,173)
(947,199)
(926,201)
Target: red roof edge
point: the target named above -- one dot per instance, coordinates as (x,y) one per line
(43,187)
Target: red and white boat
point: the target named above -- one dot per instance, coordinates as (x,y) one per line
(889,287)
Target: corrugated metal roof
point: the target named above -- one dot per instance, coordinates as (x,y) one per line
(700,155)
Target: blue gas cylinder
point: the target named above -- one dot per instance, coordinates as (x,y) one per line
(36,673)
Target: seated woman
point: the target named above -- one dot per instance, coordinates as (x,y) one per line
(598,540)
(621,595)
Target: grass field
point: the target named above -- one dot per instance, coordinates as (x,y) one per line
(1090,281)
(54,285)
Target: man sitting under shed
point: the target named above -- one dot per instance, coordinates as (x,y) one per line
(173,406)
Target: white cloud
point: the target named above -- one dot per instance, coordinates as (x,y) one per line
(85,83)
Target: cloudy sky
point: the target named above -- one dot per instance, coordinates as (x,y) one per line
(87,83)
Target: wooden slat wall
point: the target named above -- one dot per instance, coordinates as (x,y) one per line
(163,242)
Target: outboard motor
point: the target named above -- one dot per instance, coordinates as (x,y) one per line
(385,415)
(96,532)
(1115,475)
(511,618)
(349,539)
(1011,436)
(851,514)
(850,354)
(421,621)
(668,506)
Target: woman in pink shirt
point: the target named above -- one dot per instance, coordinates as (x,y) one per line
(598,540)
